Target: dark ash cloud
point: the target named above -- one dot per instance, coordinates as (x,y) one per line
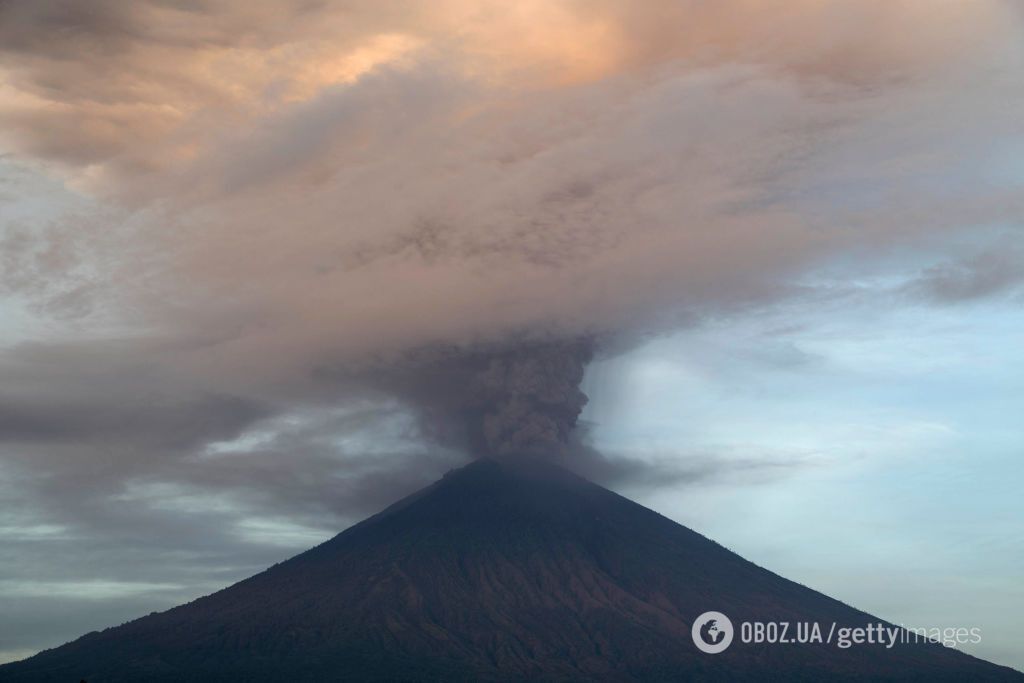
(527,401)
(513,399)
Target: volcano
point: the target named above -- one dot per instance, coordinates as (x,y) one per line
(502,570)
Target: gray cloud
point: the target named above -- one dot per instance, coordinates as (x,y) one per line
(520,398)
(141,422)
(974,276)
(647,471)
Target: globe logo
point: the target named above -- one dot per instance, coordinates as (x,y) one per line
(712,632)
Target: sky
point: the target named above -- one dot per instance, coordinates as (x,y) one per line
(234,236)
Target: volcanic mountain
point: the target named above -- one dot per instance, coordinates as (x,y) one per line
(502,570)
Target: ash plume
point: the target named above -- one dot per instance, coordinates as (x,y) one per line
(527,401)
(511,400)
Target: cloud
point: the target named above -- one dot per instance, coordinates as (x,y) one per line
(974,276)
(656,470)
(139,87)
(296,201)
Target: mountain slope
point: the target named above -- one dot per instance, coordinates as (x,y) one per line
(499,571)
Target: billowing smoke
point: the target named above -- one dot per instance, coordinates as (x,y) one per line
(497,401)
(527,401)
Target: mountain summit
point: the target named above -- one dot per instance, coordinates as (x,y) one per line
(502,570)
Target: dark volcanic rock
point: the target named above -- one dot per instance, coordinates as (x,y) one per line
(500,571)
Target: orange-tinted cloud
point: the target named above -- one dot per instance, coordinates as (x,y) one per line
(119,88)
(319,183)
